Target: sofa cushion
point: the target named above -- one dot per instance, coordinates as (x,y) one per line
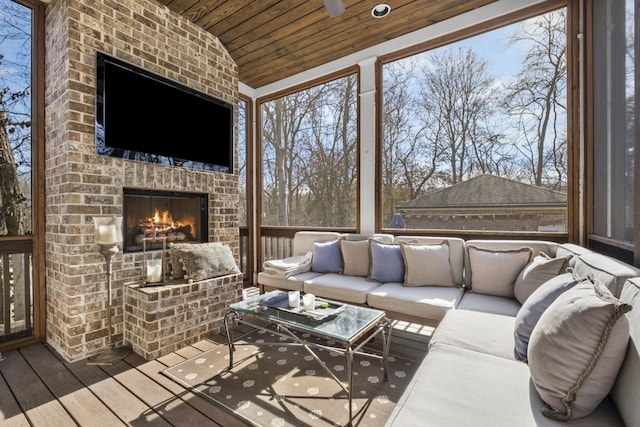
(573,251)
(351,289)
(626,389)
(608,271)
(455,386)
(303,240)
(489,304)
(474,330)
(537,272)
(291,283)
(426,265)
(380,237)
(428,302)
(207,260)
(326,257)
(576,350)
(387,264)
(533,308)
(494,271)
(355,257)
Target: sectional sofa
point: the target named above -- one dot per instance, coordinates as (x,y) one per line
(528,333)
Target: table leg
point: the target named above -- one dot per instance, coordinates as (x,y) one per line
(229,317)
(349,354)
(386,341)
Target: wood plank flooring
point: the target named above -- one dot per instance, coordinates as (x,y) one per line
(39,388)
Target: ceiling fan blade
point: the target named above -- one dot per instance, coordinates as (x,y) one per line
(334,7)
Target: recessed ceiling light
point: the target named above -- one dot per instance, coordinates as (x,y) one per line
(381,10)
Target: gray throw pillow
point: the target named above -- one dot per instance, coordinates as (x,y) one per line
(537,272)
(177,267)
(205,261)
(534,306)
(576,350)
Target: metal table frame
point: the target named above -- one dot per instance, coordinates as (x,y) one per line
(349,348)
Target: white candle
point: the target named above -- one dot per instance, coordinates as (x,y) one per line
(107,234)
(154,271)
(309,302)
(294,299)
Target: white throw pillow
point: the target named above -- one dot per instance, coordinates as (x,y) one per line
(426,264)
(576,350)
(494,272)
(538,271)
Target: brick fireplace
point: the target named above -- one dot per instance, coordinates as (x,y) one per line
(150,216)
(81,184)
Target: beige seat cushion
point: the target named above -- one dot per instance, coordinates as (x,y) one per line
(351,289)
(457,387)
(429,302)
(474,330)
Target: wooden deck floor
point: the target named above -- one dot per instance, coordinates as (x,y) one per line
(38,388)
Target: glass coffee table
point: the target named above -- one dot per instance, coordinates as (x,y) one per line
(348,327)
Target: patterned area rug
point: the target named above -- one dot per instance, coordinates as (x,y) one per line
(276,385)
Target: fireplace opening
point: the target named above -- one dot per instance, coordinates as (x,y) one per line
(152,216)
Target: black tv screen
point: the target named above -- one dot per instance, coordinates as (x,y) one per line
(145,117)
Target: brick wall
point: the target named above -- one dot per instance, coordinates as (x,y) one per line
(80,184)
(163,319)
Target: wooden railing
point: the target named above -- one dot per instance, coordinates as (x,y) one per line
(277,242)
(16,273)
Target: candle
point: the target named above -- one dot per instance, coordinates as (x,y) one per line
(154,271)
(107,234)
(309,302)
(294,299)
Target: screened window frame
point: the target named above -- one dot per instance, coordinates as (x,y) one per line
(352,70)
(463,34)
(35,242)
(618,248)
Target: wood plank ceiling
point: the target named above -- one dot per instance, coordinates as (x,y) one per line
(274,39)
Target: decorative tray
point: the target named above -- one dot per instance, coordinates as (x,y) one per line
(323,308)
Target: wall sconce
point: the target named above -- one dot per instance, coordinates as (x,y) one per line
(108,236)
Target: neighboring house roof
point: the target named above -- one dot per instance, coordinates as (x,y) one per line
(489,191)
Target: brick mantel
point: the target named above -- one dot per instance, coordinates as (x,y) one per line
(81,184)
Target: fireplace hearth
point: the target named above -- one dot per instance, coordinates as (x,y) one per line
(152,217)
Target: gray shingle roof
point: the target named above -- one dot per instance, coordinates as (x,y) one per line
(489,191)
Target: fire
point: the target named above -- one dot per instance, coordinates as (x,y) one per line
(162,224)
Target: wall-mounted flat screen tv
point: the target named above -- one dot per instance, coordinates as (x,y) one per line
(145,117)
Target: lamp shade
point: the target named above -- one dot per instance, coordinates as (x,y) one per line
(108,230)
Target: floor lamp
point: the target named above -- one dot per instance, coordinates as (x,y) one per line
(108,236)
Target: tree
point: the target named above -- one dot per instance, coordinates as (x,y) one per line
(329,168)
(456,110)
(309,153)
(537,99)
(409,159)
